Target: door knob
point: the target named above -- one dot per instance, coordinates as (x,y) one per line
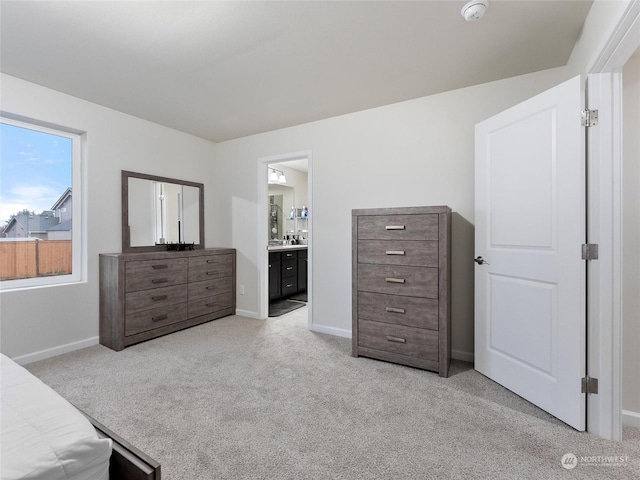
(480,261)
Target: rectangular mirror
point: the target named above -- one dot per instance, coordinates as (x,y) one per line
(158,211)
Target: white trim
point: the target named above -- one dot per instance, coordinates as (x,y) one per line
(337,332)
(460,355)
(604,411)
(55,351)
(248,314)
(262,252)
(631,419)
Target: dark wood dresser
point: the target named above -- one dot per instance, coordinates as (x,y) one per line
(401,280)
(146,295)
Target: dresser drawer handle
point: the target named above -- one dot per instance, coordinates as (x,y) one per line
(159,318)
(211,261)
(160,280)
(159,267)
(395,252)
(394,280)
(396,339)
(211,304)
(394,227)
(157,298)
(395,310)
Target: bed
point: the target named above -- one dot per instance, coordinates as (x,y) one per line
(44,437)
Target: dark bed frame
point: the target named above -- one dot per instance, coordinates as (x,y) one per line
(127,462)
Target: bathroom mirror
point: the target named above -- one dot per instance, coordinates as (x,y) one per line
(280,223)
(157,211)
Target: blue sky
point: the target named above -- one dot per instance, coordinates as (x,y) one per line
(35,170)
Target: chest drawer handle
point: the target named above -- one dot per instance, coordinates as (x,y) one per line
(396,339)
(159,267)
(395,310)
(394,280)
(211,261)
(394,227)
(159,318)
(395,252)
(160,280)
(157,298)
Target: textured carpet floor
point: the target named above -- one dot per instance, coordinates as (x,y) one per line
(248,399)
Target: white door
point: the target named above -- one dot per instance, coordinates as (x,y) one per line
(530,295)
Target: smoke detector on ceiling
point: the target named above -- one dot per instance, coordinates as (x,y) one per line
(474,10)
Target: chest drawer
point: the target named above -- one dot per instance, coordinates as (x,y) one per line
(154,318)
(398,339)
(157,297)
(214,303)
(210,287)
(213,266)
(398,280)
(145,274)
(398,252)
(400,310)
(398,227)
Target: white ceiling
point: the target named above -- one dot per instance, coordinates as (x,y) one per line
(222,70)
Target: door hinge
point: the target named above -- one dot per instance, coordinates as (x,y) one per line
(589,385)
(589,118)
(589,251)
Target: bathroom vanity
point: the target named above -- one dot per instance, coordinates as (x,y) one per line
(287,271)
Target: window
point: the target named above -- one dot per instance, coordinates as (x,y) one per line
(40,204)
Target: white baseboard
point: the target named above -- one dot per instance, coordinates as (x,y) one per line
(460,355)
(631,419)
(247,313)
(338,332)
(52,352)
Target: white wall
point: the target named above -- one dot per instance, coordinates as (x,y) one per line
(631,237)
(36,320)
(419,152)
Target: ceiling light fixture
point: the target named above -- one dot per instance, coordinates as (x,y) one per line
(474,10)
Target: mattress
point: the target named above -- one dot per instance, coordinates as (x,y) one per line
(43,436)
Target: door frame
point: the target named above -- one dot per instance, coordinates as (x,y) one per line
(263,238)
(604,305)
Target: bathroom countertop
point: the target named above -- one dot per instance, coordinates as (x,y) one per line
(279,248)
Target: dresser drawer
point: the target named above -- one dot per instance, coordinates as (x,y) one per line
(398,227)
(145,274)
(398,280)
(207,305)
(154,318)
(212,266)
(158,297)
(400,310)
(210,287)
(398,339)
(398,252)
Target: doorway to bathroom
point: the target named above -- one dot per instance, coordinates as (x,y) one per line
(285,236)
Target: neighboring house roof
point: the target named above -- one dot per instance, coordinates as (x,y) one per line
(61,227)
(62,199)
(32,223)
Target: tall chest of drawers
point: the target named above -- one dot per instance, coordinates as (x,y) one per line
(401,281)
(146,295)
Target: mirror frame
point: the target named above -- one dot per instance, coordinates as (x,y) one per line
(126,235)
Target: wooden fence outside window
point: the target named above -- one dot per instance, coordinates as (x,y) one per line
(39,258)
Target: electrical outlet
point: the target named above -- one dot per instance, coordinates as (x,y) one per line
(241,289)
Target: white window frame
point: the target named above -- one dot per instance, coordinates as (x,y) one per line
(77,233)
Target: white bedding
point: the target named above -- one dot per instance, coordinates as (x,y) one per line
(42,435)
